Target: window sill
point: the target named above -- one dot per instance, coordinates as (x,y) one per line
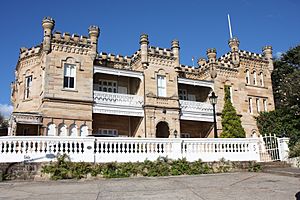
(257,86)
(69,90)
(29,99)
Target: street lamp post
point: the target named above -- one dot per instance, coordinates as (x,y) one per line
(213,100)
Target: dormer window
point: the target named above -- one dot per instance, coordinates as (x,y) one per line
(69,76)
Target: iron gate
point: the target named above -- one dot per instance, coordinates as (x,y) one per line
(269,148)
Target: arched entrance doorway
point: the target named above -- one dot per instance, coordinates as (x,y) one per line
(162,130)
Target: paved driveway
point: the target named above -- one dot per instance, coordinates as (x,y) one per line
(229,186)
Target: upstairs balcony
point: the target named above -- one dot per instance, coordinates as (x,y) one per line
(118,104)
(196,111)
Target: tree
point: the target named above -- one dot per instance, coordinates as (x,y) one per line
(231,122)
(285,120)
(3,122)
(286,80)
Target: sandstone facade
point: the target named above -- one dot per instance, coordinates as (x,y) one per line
(64,87)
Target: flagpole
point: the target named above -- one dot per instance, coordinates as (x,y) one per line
(229,24)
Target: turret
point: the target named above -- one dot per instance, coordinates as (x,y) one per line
(48,25)
(175,49)
(234,46)
(201,62)
(267,52)
(94,32)
(212,55)
(144,50)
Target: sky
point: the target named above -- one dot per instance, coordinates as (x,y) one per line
(197,24)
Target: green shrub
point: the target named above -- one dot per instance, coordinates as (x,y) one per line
(295,150)
(64,169)
(254,167)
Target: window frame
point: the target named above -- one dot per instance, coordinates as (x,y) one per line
(254,78)
(161,89)
(69,76)
(182,94)
(250,106)
(258,105)
(247,76)
(28,86)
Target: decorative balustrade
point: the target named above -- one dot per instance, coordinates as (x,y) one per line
(118,104)
(193,110)
(90,149)
(118,99)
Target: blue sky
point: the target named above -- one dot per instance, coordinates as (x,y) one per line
(198,25)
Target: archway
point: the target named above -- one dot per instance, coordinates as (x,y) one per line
(162,130)
(51,129)
(73,130)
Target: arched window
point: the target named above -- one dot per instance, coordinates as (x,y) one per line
(254,78)
(261,79)
(62,130)
(247,77)
(84,131)
(73,130)
(51,130)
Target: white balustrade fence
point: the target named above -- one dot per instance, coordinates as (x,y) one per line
(90,149)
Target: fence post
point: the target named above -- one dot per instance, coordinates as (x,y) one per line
(176,149)
(88,155)
(283,148)
(256,150)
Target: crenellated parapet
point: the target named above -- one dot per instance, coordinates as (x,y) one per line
(114,61)
(65,42)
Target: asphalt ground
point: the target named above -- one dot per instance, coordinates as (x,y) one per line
(227,186)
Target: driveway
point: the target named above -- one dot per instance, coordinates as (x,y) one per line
(229,186)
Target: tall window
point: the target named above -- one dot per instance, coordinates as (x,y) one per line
(28,84)
(254,78)
(182,94)
(250,105)
(161,86)
(247,77)
(69,76)
(261,79)
(257,105)
(265,105)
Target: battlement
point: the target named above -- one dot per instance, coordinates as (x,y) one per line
(114,58)
(160,51)
(246,54)
(74,39)
(189,69)
(25,52)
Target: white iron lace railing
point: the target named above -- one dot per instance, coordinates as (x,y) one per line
(118,99)
(195,106)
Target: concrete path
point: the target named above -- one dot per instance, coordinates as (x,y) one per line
(230,186)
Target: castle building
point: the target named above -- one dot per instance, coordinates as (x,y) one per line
(64,87)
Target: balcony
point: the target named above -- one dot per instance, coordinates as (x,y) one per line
(118,104)
(196,111)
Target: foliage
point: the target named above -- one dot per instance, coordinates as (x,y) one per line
(254,167)
(286,80)
(280,122)
(64,169)
(231,122)
(295,150)
(285,120)
(3,122)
